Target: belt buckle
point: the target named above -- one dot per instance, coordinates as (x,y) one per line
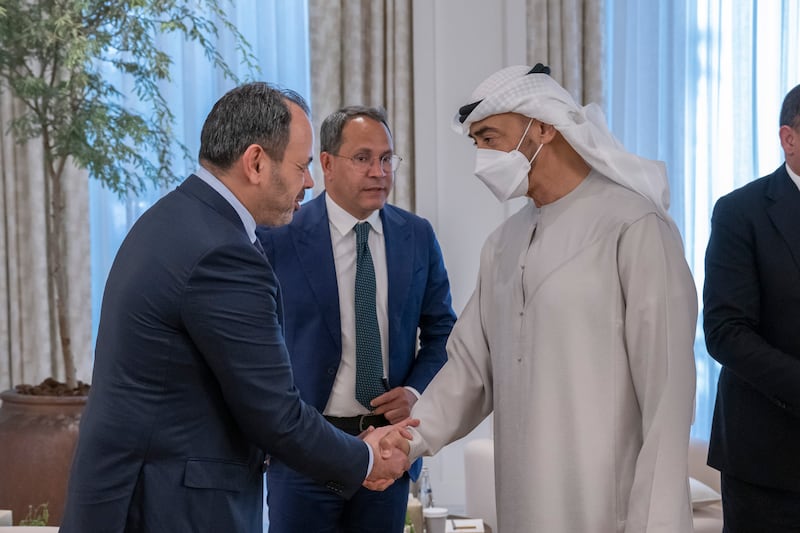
(361,427)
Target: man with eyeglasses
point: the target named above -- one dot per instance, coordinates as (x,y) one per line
(361,279)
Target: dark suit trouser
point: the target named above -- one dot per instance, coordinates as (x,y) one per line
(298,504)
(748,508)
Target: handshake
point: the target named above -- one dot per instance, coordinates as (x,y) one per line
(390,448)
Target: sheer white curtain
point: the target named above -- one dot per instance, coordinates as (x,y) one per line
(277,30)
(30,350)
(699,84)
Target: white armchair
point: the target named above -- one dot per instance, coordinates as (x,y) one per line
(706,505)
(698,469)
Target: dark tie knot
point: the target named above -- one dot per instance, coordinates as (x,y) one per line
(362,233)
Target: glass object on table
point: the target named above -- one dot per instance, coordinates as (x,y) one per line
(425,490)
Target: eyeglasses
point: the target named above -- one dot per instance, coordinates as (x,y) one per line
(363,162)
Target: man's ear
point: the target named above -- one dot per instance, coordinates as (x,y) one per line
(325,162)
(253,160)
(790,140)
(546,132)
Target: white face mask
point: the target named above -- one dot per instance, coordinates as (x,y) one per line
(505,173)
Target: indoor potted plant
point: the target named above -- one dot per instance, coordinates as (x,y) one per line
(53,56)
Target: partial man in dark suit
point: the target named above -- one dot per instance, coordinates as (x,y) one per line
(752,327)
(192,383)
(354,382)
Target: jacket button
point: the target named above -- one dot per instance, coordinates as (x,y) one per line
(333,486)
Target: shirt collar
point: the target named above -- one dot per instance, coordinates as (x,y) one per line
(344,222)
(793,175)
(247,219)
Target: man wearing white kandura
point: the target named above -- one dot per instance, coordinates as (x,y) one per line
(579,335)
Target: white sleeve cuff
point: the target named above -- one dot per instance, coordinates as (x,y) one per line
(413,390)
(371,460)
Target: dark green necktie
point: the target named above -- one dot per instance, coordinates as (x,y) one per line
(369,361)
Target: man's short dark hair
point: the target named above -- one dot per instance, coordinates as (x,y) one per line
(330,136)
(254,113)
(790,110)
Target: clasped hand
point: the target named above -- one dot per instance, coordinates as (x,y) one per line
(395,404)
(390,448)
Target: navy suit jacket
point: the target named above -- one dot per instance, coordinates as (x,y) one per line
(418,299)
(192,383)
(752,326)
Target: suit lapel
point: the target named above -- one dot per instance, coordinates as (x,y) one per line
(400,251)
(313,244)
(785,211)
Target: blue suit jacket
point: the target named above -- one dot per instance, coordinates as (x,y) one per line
(418,300)
(192,383)
(752,326)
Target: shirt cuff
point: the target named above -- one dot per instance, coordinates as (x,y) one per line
(413,390)
(371,460)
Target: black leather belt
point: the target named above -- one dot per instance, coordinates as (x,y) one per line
(354,425)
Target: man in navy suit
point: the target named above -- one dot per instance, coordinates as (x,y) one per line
(752,327)
(316,258)
(192,383)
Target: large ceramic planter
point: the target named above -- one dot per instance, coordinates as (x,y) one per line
(37,440)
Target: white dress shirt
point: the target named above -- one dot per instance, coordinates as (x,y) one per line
(342,401)
(793,175)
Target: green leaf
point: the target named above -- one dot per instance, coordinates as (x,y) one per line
(56,55)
